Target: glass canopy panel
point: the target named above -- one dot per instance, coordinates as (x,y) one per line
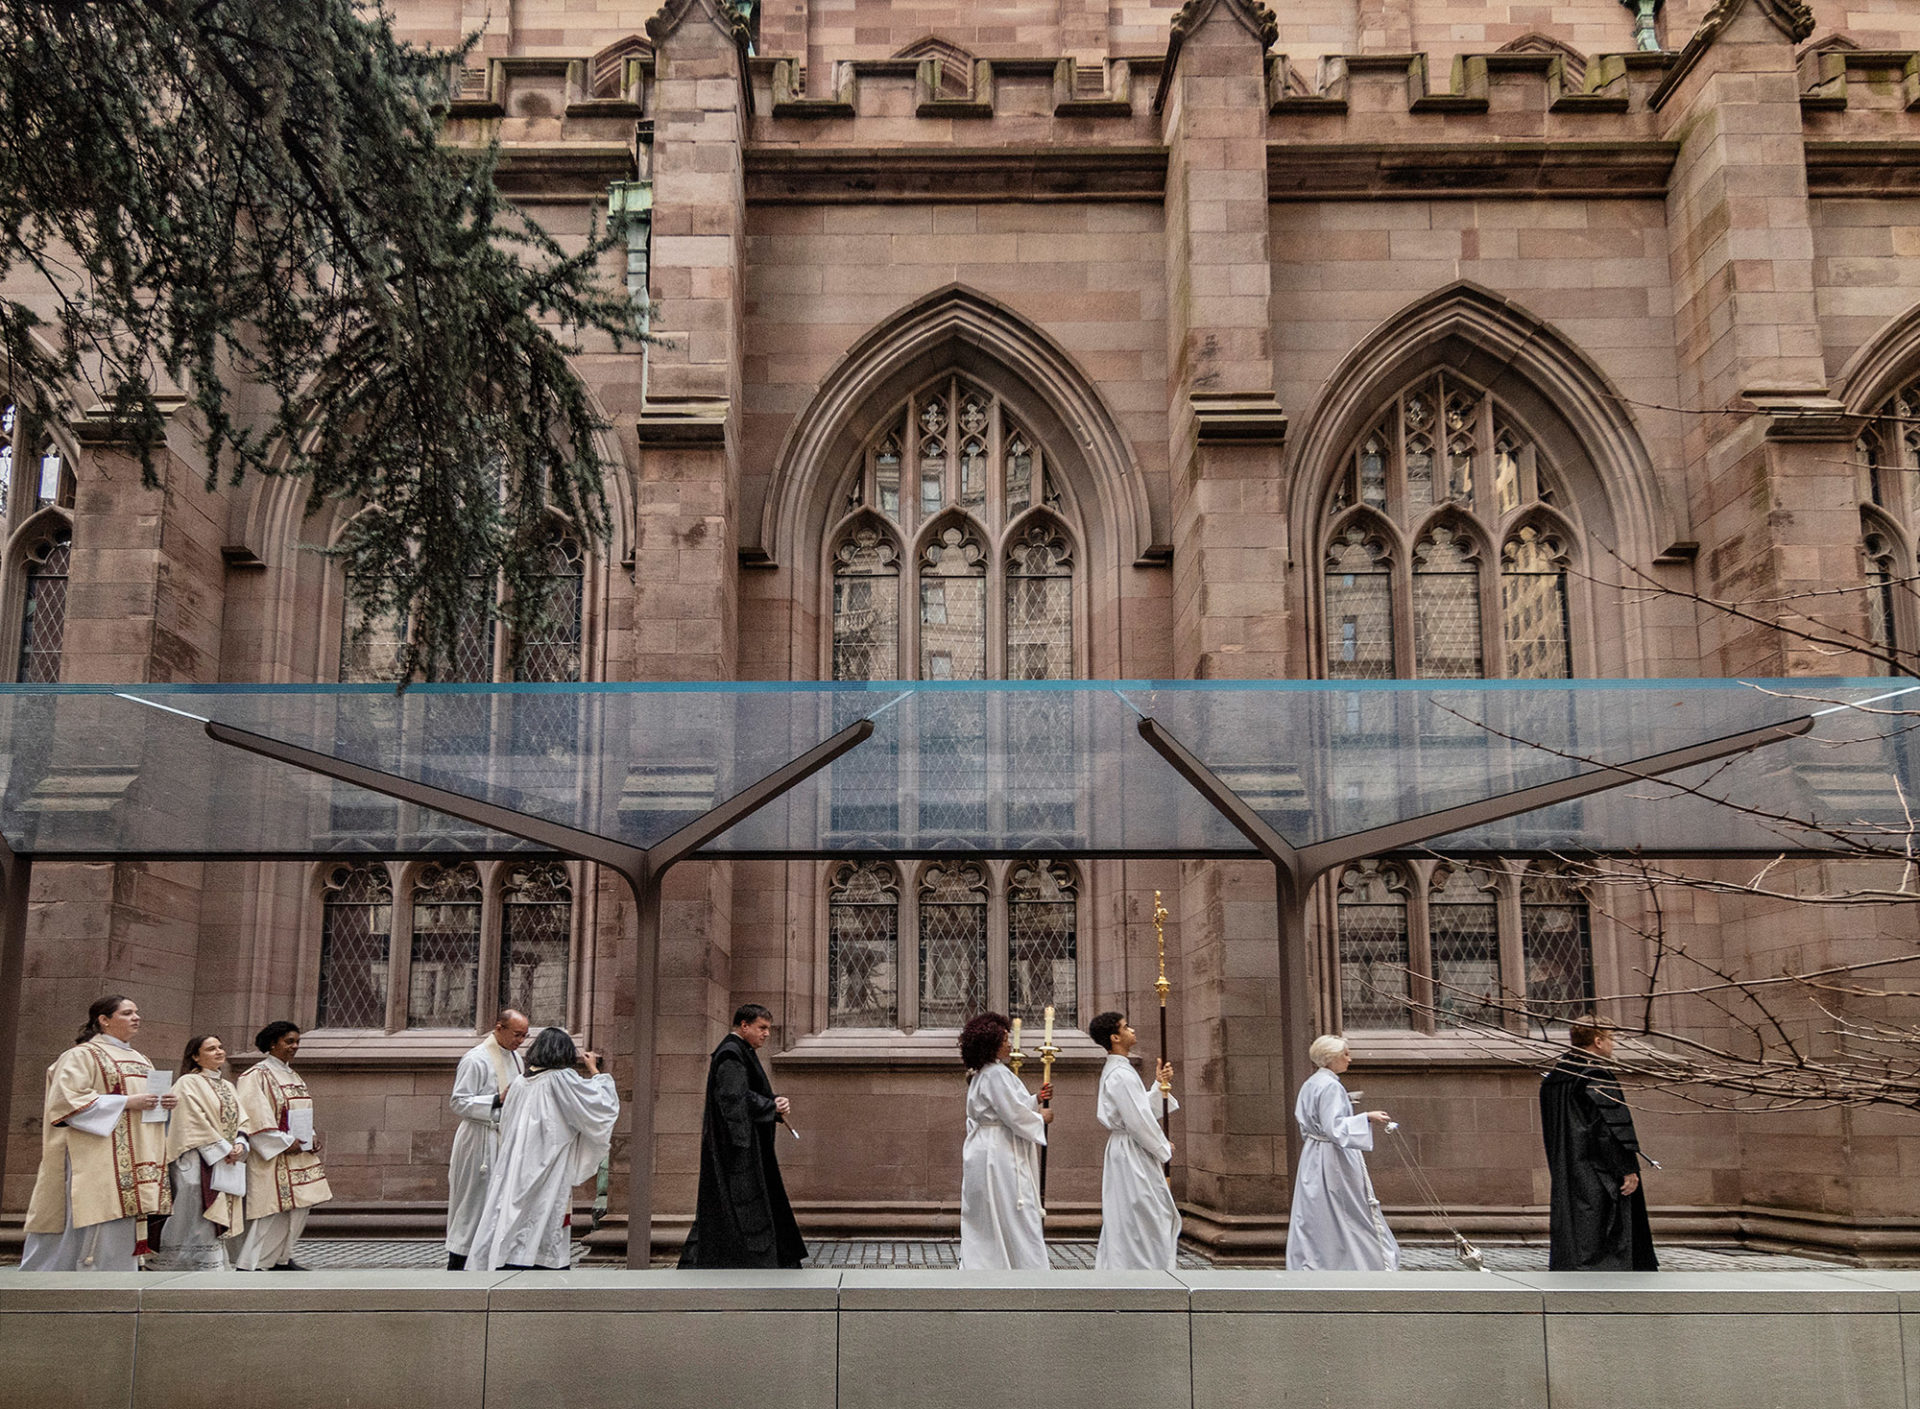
(1054,768)
(1845,787)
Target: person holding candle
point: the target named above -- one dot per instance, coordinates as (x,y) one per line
(1001,1220)
(284,1175)
(1139,1224)
(102,1164)
(1335,1224)
(208,1157)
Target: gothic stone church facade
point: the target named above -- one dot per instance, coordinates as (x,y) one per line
(1037,339)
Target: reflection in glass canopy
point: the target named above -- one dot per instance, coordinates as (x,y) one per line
(1055,768)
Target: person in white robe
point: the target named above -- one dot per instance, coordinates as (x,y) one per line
(479,1091)
(1001,1220)
(207,1155)
(555,1128)
(1335,1224)
(102,1165)
(1139,1224)
(285,1177)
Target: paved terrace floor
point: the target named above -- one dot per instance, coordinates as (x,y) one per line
(945,1252)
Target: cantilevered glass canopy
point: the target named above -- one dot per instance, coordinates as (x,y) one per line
(1303,775)
(986,769)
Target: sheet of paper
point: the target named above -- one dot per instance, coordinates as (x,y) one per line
(159,1083)
(300,1124)
(226,1178)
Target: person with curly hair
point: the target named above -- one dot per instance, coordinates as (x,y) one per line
(1000,1212)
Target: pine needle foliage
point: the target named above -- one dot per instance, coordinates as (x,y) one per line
(250,204)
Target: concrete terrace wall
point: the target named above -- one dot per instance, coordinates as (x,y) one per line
(878,1340)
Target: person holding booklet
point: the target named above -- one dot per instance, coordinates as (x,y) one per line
(284,1175)
(102,1161)
(207,1155)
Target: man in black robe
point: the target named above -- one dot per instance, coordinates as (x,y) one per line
(1599,1218)
(743,1218)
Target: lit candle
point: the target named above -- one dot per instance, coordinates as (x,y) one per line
(1047,1041)
(1016,1034)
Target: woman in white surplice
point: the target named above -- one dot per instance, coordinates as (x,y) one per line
(1000,1213)
(555,1127)
(1335,1223)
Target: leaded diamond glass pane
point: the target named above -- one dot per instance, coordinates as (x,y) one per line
(1463,929)
(863,946)
(536,941)
(1043,782)
(866,607)
(951,765)
(472,662)
(1373,948)
(1359,610)
(444,963)
(43,626)
(1556,944)
(1879,604)
(356,929)
(551,651)
(953,945)
(886,478)
(1533,604)
(1043,954)
(953,607)
(1040,606)
(1446,609)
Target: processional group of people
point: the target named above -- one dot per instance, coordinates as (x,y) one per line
(230,1169)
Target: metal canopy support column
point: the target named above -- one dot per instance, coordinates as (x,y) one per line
(642,868)
(1297,869)
(16,877)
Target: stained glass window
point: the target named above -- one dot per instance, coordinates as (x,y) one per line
(551,651)
(536,940)
(1373,946)
(356,930)
(866,605)
(1463,923)
(953,944)
(1445,444)
(1042,935)
(1359,607)
(863,946)
(443,969)
(1446,608)
(1887,462)
(43,623)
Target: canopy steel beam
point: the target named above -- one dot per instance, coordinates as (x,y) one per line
(643,869)
(1298,869)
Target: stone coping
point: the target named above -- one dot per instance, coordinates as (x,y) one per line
(911,1290)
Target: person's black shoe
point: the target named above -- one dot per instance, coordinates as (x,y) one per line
(289,1267)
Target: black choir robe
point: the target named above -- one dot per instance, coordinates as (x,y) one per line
(1591,1149)
(743,1218)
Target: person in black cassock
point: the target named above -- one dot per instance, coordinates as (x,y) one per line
(743,1218)
(1599,1218)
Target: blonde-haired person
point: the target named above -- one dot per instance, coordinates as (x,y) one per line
(1335,1224)
(207,1155)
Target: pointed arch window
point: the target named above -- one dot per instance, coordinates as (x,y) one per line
(953,944)
(1446,607)
(1887,459)
(863,946)
(1359,607)
(1043,946)
(1373,945)
(1533,605)
(356,930)
(551,650)
(954,515)
(443,967)
(536,941)
(43,622)
(1448,468)
(1435,945)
